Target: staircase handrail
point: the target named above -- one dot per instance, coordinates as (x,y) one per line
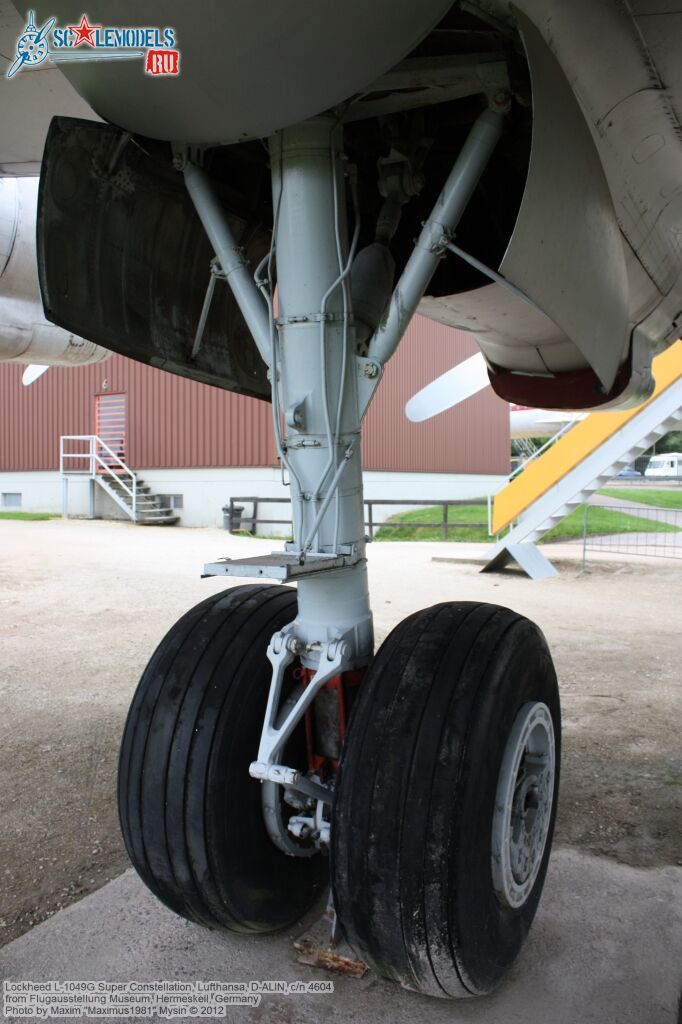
(543,448)
(95,446)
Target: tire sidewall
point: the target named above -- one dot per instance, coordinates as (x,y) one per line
(491,931)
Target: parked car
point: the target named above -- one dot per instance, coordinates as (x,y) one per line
(629,473)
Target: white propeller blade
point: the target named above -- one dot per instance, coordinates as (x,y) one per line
(453,387)
(31,374)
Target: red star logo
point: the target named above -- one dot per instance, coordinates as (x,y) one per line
(84,32)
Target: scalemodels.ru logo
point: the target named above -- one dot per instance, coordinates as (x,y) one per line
(155,46)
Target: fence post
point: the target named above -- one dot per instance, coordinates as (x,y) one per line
(444,528)
(490,515)
(585,507)
(370,520)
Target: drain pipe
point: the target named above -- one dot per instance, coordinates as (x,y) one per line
(432,243)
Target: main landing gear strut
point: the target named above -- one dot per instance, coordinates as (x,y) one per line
(266,744)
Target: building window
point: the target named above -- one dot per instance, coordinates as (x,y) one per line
(10,500)
(171,500)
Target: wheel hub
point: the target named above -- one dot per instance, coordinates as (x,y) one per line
(523,804)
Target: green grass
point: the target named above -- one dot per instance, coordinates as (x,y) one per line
(604,521)
(456,514)
(28,517)
(599,521)
(662,499)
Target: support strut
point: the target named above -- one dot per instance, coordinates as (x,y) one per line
(315,381)
(437,232)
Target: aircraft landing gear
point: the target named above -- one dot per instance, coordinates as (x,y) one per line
(440,808)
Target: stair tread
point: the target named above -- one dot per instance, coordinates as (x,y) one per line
(148,510)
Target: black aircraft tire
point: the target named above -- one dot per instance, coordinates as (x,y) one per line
(191,817)
(439,719)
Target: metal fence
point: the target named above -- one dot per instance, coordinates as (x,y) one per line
(644,530)
(236,520)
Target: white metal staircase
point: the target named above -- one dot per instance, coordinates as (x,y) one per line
(582,461)
(87,456)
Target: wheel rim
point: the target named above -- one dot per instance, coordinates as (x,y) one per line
(523,804)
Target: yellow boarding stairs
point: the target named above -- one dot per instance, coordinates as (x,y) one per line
(579,463)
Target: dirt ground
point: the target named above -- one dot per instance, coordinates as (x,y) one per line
(83,604)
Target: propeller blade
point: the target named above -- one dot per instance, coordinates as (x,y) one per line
(453,387)
(45,29)
(18,64)
(31,374)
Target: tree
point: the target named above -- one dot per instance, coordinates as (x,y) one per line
(670,442)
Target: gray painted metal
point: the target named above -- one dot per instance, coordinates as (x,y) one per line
(527,556)
(245,71)
(567,208)
(25,334)
(233,263)
(436,233)
(620,68)
(315,381)
(566,252)
(274,801)
(29,101)
(335,658)
(523,804)
(278,566)
(620,62)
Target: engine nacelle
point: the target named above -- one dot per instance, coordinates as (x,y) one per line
(25,334)
(579,207)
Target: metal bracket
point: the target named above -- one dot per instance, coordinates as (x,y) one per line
(280,565)
(313,318)
(370,372)
(285,646)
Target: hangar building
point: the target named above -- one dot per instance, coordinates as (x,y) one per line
(197,446)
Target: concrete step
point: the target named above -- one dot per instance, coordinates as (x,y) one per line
(150,511)
(149,520)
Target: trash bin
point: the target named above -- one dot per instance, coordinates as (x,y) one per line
(232,517)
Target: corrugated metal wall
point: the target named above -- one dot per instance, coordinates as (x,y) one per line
(176,423)
(471,438)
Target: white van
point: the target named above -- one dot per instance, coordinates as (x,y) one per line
(669,464)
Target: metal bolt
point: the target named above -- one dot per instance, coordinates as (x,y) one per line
(294,645)
(341,648)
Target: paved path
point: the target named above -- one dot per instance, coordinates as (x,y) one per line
(606,948)
(624,504)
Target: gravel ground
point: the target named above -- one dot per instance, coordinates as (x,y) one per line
(83,604)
